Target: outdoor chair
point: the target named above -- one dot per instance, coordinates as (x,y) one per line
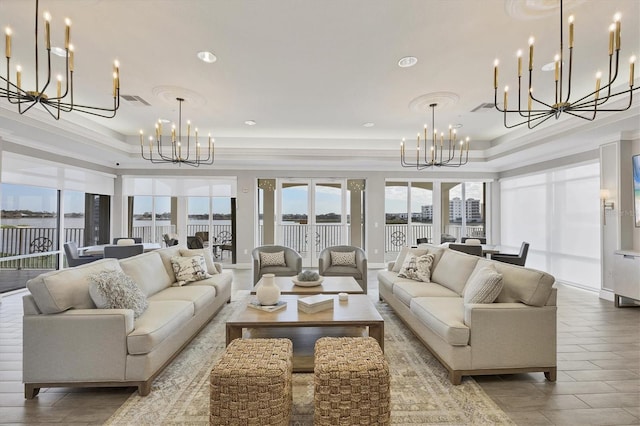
(73,258)
(169,240)
(195,243)
(514,259)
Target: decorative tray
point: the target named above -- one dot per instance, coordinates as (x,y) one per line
(307,283)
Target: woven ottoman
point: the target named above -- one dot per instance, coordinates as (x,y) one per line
(351,378)
(251,383)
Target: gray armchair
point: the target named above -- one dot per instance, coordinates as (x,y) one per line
(358,272)
(475,250)
(515,259)
(292,259)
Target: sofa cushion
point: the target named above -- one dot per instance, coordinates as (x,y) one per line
(403,254)
(116,290)
(159,321)
(166,254)
(483,286)
(454,269)
(222,282)
(211,266)
(148,271)
(342,271)
(444,316)
(57,291)
(188,269)
(525,285)
(200,296)
(278,271)
(272,259)
(405,290)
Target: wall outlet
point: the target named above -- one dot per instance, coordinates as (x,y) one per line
(245,251)
(375,251)
(375,225)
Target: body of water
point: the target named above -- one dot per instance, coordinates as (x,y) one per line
(78,222)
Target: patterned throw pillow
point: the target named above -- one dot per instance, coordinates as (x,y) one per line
(211,267)
(343,258)
(189,269)
(483,286)
(117,290)
(417,268)
(272,259)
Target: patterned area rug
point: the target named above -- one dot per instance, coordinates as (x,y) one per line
(420,389)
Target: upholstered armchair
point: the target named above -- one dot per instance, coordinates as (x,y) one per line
(73,258)
(292,262)
(336,265)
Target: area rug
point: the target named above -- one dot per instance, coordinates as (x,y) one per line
(420,389)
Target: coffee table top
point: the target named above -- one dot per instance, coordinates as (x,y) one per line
(356,310)
(330,285)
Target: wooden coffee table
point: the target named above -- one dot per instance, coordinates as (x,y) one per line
(354,317)
(330,285)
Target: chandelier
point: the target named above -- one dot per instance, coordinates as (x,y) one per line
(437,152)
(42,92)
(587,106)
(176,151)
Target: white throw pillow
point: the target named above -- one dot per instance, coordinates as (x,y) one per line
(484,286)
(208,260)
(403,254)
(417,268)
(189,269)
(272,259)
(116,290)
(343,258)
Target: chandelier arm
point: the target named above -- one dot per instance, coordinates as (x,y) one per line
(579,108)
(22,111)
(538,121)
(46,106)
(85,109)
(520,110)
(566,100)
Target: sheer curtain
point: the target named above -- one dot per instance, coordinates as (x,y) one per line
(558,213)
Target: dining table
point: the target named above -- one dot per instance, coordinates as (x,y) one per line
(99,248)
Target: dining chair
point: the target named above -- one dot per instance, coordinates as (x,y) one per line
(122,252)
(73,258)
(514,259)
(136,240)
(475,250)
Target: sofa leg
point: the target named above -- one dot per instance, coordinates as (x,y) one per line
(551,374)
(144,388)
(30,391)
(455,377)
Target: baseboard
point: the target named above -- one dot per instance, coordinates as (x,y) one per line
(606,295)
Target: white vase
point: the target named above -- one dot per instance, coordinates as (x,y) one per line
(268,293)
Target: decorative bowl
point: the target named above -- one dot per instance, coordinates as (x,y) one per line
(296,281)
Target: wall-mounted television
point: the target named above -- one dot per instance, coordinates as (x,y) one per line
(636,188)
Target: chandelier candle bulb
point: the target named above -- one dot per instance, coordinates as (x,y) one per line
(495,74)
(141,135)
(150,145)
(19,76)
(47,30)
(598,76)
(59,86)
(71,58)
(67,32)
(531,40)
(115,85)
(632,62)
(612,28)
(519,54)
(571,32)
(557,66)
(506,91)
(7,42)
(616,19)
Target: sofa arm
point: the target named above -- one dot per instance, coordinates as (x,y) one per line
(218,267)
(78,345)
(511,335)
(390,266)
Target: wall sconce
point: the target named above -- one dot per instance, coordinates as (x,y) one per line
(606,205)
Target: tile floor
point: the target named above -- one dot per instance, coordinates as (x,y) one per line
(598,371)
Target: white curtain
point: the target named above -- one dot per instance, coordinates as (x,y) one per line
(558,213)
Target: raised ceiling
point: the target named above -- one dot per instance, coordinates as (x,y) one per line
(311,73)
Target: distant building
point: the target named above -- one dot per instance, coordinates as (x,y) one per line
(472,208)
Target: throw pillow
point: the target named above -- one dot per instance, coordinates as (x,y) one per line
(272,259)
(208,260)
(343,258)
(116,290)
(424,264)
(483,286)
(403,255)
(189,269)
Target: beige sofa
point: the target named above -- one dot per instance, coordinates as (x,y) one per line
(67,341)
(515,334)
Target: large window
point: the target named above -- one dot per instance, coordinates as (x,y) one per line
(463,210)
(557,213)
(408,214)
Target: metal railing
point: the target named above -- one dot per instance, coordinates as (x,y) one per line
(26,241)
(395,236)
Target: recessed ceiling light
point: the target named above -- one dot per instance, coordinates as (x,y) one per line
(407,61)
(250,123)
(368,124)
(207,57)
(59,51)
